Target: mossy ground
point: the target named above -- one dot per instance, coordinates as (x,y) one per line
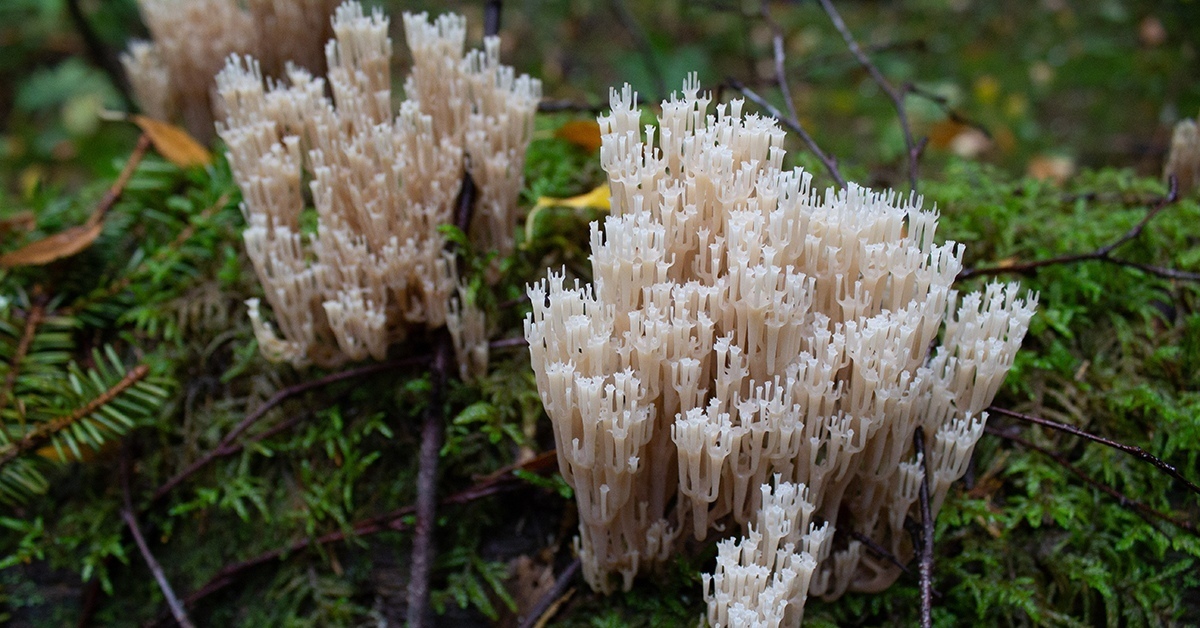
(1113,350)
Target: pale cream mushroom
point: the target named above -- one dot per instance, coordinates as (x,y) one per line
(744,329)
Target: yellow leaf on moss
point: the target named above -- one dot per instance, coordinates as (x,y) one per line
(597,198)
(582,133)
(55,247)
(173,143)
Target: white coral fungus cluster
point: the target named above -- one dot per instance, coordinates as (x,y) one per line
(742,326)
(381,184)
(173,73)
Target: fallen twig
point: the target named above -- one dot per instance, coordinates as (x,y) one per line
(546,603)
(1104,253)
(491,17)
(926,562)
(913,148)
(423,550)
(508,343)
(1142,510)
(177,610)
(227,445)
(118,187)
(828,161)
(1132,450)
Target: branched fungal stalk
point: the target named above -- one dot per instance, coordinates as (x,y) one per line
(744,327)
(382,184)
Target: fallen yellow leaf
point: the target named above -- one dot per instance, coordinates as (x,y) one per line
(582,133)
(173,143)
(55,247)
(597,198)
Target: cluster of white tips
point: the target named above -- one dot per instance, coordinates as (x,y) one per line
(743,327)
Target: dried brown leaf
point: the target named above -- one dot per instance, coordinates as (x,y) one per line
(173,143)
(55,247)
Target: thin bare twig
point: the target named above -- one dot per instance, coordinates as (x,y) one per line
(950,112)
(828,161)
(627,20)
(227,445)
(555,106)
(926,562)
(912,147)
(508,343)
(879,550)
(164,585)
(100,54)
(780,59)
(546,603)
(118,187)
(1132,450)
(1142,510)
(1104,253)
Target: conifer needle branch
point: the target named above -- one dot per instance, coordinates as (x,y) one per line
(926,563)
(227,446)
(828,161)
(895,95)
(539,614)
(1132,450)
(164,585)
(1104,253)
(44,432)
(1139,508)
(33,319)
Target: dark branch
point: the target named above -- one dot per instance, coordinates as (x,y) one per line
(926,562)
(545,605)
(895,95)
(508,343)
(424,550)
(1132,450)
(99,53)
(1140,509)
(1104,253)
(555,106)
(829,162)
(164,585)
(491,17)
(630,23)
